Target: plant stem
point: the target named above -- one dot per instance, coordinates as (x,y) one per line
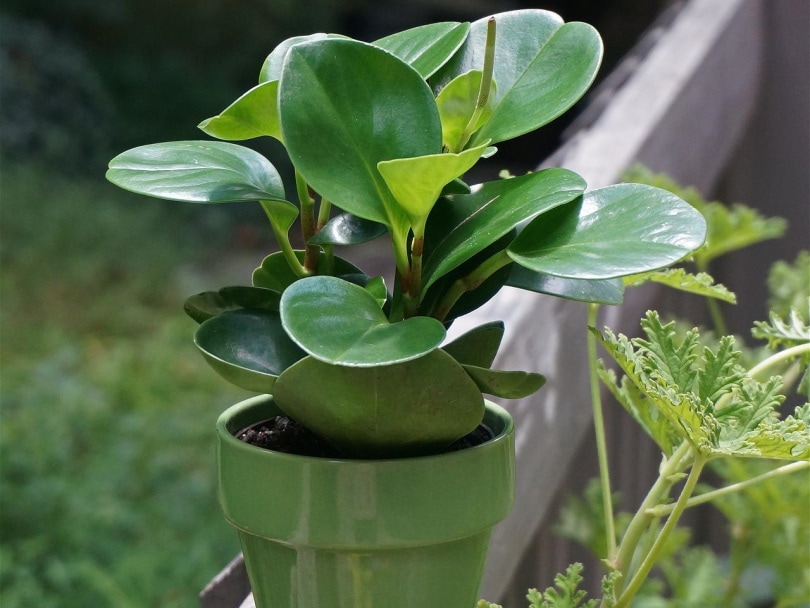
(780,357)
(283,240)
(470,282)
(661,510)
(716,314)
(652,556)
(601,443)
(668,472)
(308,226)
(323,213)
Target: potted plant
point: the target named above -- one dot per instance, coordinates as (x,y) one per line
(407,466)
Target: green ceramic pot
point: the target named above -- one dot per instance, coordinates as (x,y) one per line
(400,533)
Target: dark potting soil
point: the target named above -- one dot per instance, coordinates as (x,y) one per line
(283,434)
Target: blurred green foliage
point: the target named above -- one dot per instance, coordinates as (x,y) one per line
(107,472)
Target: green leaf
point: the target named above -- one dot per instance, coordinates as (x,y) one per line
(428,47)
(730,227)
(275,273)
(254,114)
(347,229)
(376,287)
(701,284)
(416,407)
(783,332)
(478,346)
(345,106)
(457,103)
(197,172)
(271,68)
(203,306)
(542,67)
(340,323)
(496,208)
(611,232)
(601,291)
(707,397)
(248,348)
(417,182)
(505,384)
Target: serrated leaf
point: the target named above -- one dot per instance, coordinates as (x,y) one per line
(197,172)
(783,332)
(678,278)
(254,114)
(340,323)
(709,400)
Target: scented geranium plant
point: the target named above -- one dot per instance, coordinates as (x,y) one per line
(381,136)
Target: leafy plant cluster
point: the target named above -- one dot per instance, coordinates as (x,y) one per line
(381,136)
(705,410)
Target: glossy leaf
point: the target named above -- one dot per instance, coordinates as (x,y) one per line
(203,306)
(271,68)
(347,229)
(499,207)
(411,408)
(342,324)
(416,182)
(275,273)
(197,172)
(478,346)
(600,291)
(362,105)
(611,232)
(427,47)
(542,67)
(506,384)
(252,115)
(457,102)
(248,348)
(376,287)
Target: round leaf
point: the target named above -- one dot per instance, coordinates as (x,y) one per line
(197,172)
(341,323)
(345,106)
(611,232)
(478,346)
(252,115)
(406,409)
(427,47)
(275,273)
(347,229)
(505,384)
(248,348)
(203,306)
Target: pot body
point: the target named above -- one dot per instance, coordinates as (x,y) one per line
(399,533)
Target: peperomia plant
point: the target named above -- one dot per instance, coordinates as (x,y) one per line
(380,137)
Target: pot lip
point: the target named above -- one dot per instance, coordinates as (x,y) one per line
(228,437)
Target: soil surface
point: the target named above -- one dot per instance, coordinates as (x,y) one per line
(283,434)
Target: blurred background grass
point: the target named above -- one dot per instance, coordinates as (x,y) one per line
(107,489)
